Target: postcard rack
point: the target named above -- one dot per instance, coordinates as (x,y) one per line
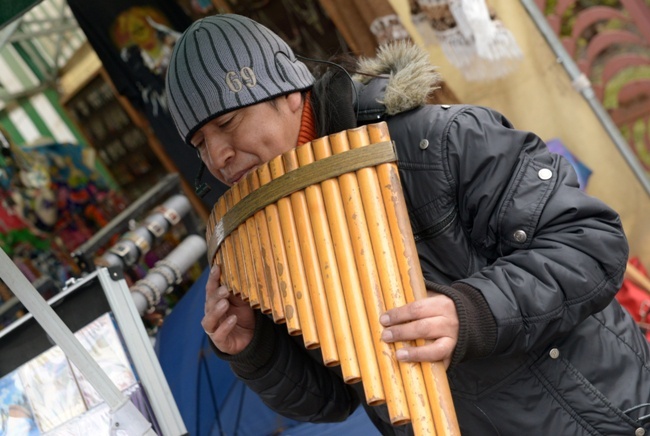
(79,304)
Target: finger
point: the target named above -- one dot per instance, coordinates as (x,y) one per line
(212,287)
(221,336)
(213,280)
(214,315)
(439,350)
(424,308)
(215,272)
(428,328)
(212,300)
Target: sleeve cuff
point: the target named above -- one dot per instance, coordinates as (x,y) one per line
(477,333)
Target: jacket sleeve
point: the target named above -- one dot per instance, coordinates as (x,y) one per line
(556,255)
(288,379)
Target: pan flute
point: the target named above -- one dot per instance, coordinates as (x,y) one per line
(319,238)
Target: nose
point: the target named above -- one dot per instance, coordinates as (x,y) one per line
(218,154)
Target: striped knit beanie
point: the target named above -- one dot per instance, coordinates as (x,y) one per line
(226,62)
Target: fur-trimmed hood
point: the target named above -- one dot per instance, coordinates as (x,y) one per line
(399,78)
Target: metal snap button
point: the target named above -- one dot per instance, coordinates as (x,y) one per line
(424,144)
(445,106)
(520,236)
(639,432)
(554,353)
(545,174)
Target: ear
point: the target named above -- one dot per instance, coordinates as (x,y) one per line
(294,101)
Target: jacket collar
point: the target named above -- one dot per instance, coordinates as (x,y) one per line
(400,78)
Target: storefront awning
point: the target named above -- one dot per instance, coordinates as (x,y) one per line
(12,9)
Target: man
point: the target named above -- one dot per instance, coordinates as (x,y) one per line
(521,265)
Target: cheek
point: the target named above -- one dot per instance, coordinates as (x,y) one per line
(266,138)
(272,147)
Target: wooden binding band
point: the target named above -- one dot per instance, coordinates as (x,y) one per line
(335,250)
(294,181)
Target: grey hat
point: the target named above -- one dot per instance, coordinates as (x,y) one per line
(226,62)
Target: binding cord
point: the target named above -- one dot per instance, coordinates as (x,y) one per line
(201,188)
(642,419)
(334,64)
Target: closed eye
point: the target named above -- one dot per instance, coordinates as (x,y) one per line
(228,120)
(199,147)
(224,123)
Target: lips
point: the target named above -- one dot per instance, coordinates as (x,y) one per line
(240,175)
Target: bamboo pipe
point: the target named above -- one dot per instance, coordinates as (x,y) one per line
(330,273)
(236,246)
(372,294)
(232,243)
(435,373)
(352,288)
(260,288)
(385,254)
(219,260)
(296,266)
(280,258)
(266,252)
(315,285)
(249,282)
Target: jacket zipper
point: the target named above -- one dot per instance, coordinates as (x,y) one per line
(437,228)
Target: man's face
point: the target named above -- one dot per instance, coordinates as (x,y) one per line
(235,143)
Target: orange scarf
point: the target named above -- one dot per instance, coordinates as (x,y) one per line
(307,127)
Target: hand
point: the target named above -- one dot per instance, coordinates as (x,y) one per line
(229,321)
(433,318)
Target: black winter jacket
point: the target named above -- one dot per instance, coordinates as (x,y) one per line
(531,261)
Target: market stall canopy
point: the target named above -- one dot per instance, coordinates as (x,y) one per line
(37,38)
(12,9)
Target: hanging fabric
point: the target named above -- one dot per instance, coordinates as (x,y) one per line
(473,40)
(634,294)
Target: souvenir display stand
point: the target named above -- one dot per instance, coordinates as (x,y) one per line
(167,187)
(137,250)
(102,293)
(84,359)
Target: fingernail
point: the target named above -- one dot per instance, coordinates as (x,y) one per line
(402,354)
(387,335)
(384,319)
(213,270)
(231,319)
(222,304)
